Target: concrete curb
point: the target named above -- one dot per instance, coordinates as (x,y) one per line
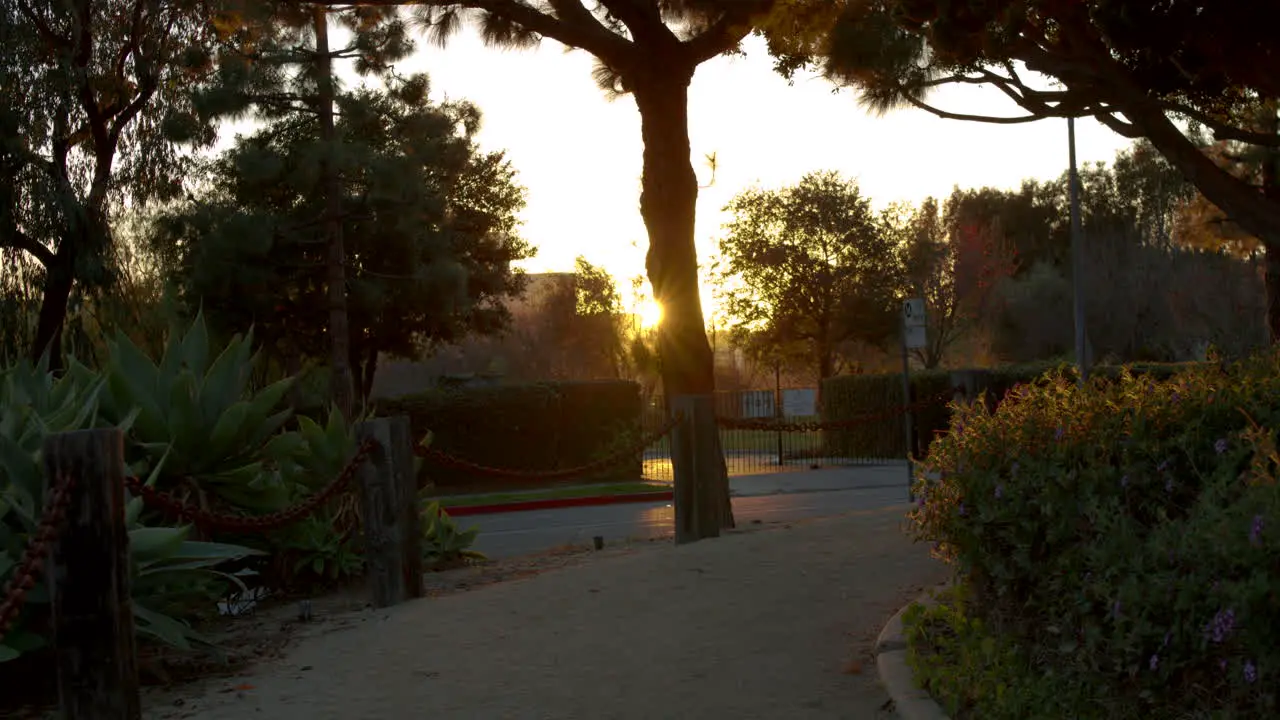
(553,503)
(909,701)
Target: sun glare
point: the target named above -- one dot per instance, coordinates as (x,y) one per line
(650,313)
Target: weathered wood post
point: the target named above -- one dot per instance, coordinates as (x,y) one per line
(392,528)
(89,580)
(698,468)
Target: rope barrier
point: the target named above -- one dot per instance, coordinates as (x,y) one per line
(34,555)
(606,463)
(240,523)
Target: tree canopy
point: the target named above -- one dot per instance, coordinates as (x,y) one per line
(429,221)
(1146,70)
(91,91)
(808,267)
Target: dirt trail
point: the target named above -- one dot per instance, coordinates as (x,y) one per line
(777,623)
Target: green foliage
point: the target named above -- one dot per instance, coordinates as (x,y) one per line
(194,415)
(444,543)
(974,673)
(174,578)
(538,426)
(848,397)
(86,87)
(806,268)
(428,219)
(1124,534)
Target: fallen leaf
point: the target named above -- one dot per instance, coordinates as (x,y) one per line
(853,667)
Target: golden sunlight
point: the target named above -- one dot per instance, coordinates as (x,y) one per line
(650,314)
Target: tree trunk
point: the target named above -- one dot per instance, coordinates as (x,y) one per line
(340,384)
(58,280)
(668,203)
(1271,189)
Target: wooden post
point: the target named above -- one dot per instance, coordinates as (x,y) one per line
(89,580)
(698,467)
(392,528)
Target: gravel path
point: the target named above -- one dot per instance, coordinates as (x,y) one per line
(778,623)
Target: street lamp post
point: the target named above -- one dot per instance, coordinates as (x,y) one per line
(1077,257)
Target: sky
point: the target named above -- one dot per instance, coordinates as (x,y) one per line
(579,154)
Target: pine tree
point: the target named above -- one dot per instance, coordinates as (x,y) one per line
(428,221)
(277,62)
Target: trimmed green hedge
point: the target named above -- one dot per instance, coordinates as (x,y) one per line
(530,427)
(848,397)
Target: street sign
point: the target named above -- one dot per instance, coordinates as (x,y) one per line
(913,312)
(915,337)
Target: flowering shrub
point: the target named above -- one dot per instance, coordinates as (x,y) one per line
(1126,535)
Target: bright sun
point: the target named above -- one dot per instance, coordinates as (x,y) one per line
(650,313)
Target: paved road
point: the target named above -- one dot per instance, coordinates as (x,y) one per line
(509,534)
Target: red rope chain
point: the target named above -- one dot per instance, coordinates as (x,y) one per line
(34,555)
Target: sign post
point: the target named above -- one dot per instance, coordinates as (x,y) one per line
(914,336)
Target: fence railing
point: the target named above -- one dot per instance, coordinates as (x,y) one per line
(765,431)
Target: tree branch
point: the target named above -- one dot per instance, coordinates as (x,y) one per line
(1221,130)
(726,32)
(945,115)
(643,21)
(573,29)
(18,240)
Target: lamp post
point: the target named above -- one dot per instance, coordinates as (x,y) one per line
(1077,257)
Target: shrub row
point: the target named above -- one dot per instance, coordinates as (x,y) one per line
(849,397)
(529,427)
(1125,537)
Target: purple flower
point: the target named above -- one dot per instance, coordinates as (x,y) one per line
(1124,481)
(1167,636)
(1164,465)
(1250,672)
(1115,609)
(1219,629)
(999,490)
(1013,471)
(1168,485)
(962,510)
(1222,664)
(1255,531)
(1057,434)
(1220,447)
(920,502)
(1155,662)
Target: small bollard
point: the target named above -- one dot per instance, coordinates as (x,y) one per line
(599,542)
(304,611)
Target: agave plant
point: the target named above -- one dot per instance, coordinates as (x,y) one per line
(444,542)
(219,440)
(171,573)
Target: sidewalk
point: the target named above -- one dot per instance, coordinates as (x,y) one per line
(846,477)
(778,623)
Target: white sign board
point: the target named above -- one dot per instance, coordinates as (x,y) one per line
(800,403)
(914,337)
(757,404)
(913,313)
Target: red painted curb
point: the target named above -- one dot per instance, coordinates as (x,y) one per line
(558,503)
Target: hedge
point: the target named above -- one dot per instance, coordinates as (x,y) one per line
(1120,545)
(531,427)
(849,397)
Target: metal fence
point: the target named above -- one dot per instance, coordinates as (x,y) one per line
(752,451)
